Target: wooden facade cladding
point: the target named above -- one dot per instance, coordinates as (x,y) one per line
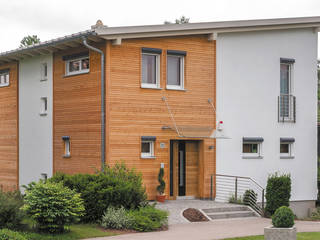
(76,113)
(9,132)
(133,112)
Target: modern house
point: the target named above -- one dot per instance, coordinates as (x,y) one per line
(160,96)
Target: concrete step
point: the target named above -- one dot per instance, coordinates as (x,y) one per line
(226,209)
(236,214)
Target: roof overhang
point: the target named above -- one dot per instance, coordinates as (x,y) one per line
(48,47)
(210,28)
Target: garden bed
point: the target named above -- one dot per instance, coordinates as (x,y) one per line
(194,215)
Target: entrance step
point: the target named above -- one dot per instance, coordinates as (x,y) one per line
(186,197)
(229,212)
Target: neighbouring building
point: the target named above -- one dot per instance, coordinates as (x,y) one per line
(159,96)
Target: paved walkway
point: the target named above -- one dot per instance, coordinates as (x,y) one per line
(218,229)
(176,207)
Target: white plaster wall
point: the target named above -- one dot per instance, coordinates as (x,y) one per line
(35,131)
(248,85)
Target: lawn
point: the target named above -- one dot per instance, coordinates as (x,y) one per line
(79,231)
(301,236)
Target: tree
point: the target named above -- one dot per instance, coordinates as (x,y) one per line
(180,20)
(29,40)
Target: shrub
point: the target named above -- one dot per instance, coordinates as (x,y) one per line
(116,219)
(116,186)
(283,218)
(53,206)
(278,192)
(11,215)
(250,197)
(316,215)
(6,234)
(233,199)
(148,218)
(162,184)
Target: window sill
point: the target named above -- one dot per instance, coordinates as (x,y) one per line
(155,88)
(66,156)
(4,85)
(286,157)
(44,80)
(252,157)
(148,157)
(43,114)
(177,89)
(76,74)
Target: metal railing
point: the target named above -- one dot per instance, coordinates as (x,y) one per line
(238,189)
(286,108)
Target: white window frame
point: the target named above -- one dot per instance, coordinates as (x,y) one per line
(149,154)
(290,153)
(43,106)
(7,73)
(150,85)
(290,88)
(258,154)
(44,72)
(81,71)
(181,86)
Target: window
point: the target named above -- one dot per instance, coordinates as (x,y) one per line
(77,65)
(147,146)
(150,68)
(43,106)
(175,69)
(4,78)
(44,72)
(286,99)
(286,147)
(67,151)
(252,147)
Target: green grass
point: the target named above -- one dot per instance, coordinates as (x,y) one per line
(301,236)
(79,231)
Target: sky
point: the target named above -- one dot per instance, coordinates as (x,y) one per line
(55,18)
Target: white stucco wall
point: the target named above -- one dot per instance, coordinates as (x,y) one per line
(248,85)
(35,131)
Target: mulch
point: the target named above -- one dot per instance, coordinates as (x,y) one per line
(194,215)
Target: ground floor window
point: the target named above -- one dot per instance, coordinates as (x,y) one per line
(286,147)
(147,146)
(252,147)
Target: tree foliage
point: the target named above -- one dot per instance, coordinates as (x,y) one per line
(180,20)
(29,40)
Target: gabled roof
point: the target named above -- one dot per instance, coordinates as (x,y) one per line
(99,33)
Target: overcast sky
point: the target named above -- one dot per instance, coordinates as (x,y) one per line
(54,18)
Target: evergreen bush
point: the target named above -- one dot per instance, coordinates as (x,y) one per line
(283,218)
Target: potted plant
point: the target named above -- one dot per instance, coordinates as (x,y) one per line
(160,188)
(283,225)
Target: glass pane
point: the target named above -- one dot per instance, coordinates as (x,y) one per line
(145,147)
(45,69)
(149,68)
(250,148)
(173,74)
(74,66)
(2,79)
(284,78)
(284,148)
(85,64)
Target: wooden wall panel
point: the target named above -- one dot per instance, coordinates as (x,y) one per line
(9,165)
(77,104)
(134,112)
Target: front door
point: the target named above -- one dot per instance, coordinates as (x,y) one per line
(184,161)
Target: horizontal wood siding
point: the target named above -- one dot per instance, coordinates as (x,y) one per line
(134,112)
(77,114)
(9,166)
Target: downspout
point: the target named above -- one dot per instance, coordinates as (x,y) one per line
(103,134)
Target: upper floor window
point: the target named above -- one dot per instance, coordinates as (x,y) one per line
(286,99)
(4,78)
(77,63)
(252,147)
(150,68)
(44,72)
(175,69)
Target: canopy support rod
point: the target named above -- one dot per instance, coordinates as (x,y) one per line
(213,108)
(171,116)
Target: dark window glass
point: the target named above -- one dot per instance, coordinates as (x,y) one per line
(149,68)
